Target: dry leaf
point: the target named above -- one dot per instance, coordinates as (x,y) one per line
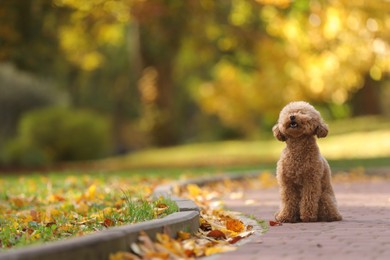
(194,190)
(235,225)
(145,239)
(189,253)
(204,225)
(216,234)
(234,240)
(108,223)
(183,235)
(136,249)
(123,256)
(218,249)
(274,223)
(157,255)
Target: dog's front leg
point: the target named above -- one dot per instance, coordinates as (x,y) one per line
(289,208)
(308,209)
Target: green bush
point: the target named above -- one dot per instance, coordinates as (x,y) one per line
(58,134)
(21,92)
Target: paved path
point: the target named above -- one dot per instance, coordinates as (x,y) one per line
(363,234)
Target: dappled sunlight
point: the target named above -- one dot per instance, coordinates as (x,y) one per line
(339,146)
(208,154)
(357,145)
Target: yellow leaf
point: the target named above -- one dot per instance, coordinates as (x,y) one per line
(218,249)
(90,194)
(183,235)
(157,255)
(123,256)
(55,198)
(107,211)
(194,190)
(18,202)
(163,238)
(82,209)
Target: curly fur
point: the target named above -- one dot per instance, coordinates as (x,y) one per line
(303,175)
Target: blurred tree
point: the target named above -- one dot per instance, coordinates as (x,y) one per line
(151,63)
(318,51)
(28,36)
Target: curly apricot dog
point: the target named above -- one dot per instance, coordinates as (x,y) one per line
(303,175)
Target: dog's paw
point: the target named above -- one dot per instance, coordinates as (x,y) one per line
(309,218)
(337,217)
(285,218)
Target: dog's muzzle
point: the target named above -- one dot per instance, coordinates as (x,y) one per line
(293,123)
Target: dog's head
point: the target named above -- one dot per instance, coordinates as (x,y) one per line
(299,119)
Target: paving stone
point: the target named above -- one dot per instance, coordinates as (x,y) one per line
(364,232)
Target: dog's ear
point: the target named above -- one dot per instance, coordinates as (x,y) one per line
(321,130)
(278,134)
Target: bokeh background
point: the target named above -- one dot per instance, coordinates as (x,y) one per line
(82,80)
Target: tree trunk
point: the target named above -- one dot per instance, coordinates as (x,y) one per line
(164,131)
(366,100)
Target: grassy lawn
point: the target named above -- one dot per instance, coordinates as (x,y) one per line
(357,142)
(38,208)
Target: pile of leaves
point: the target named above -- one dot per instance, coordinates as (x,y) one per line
(36,209)
(219,230)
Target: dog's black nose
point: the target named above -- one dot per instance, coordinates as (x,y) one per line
(292,118)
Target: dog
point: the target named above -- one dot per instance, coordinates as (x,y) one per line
(303,174)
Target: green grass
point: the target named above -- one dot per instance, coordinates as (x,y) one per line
(39,208)
(357,141)
(261,222)
(140,209)
(359,124)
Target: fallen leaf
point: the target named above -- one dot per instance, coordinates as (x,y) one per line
(218,249)
(108,222)
(123,256)
(216,234)
(204,225)
(183,235)
(246,233)
(136,249)
(49,224)
(159,211)
(56,197)
(147,242)
(161,205)
(235,225)
(189,253)
(234,240)
(194,190)
(274,223)
(18,202)
(157,255)
(35,215)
